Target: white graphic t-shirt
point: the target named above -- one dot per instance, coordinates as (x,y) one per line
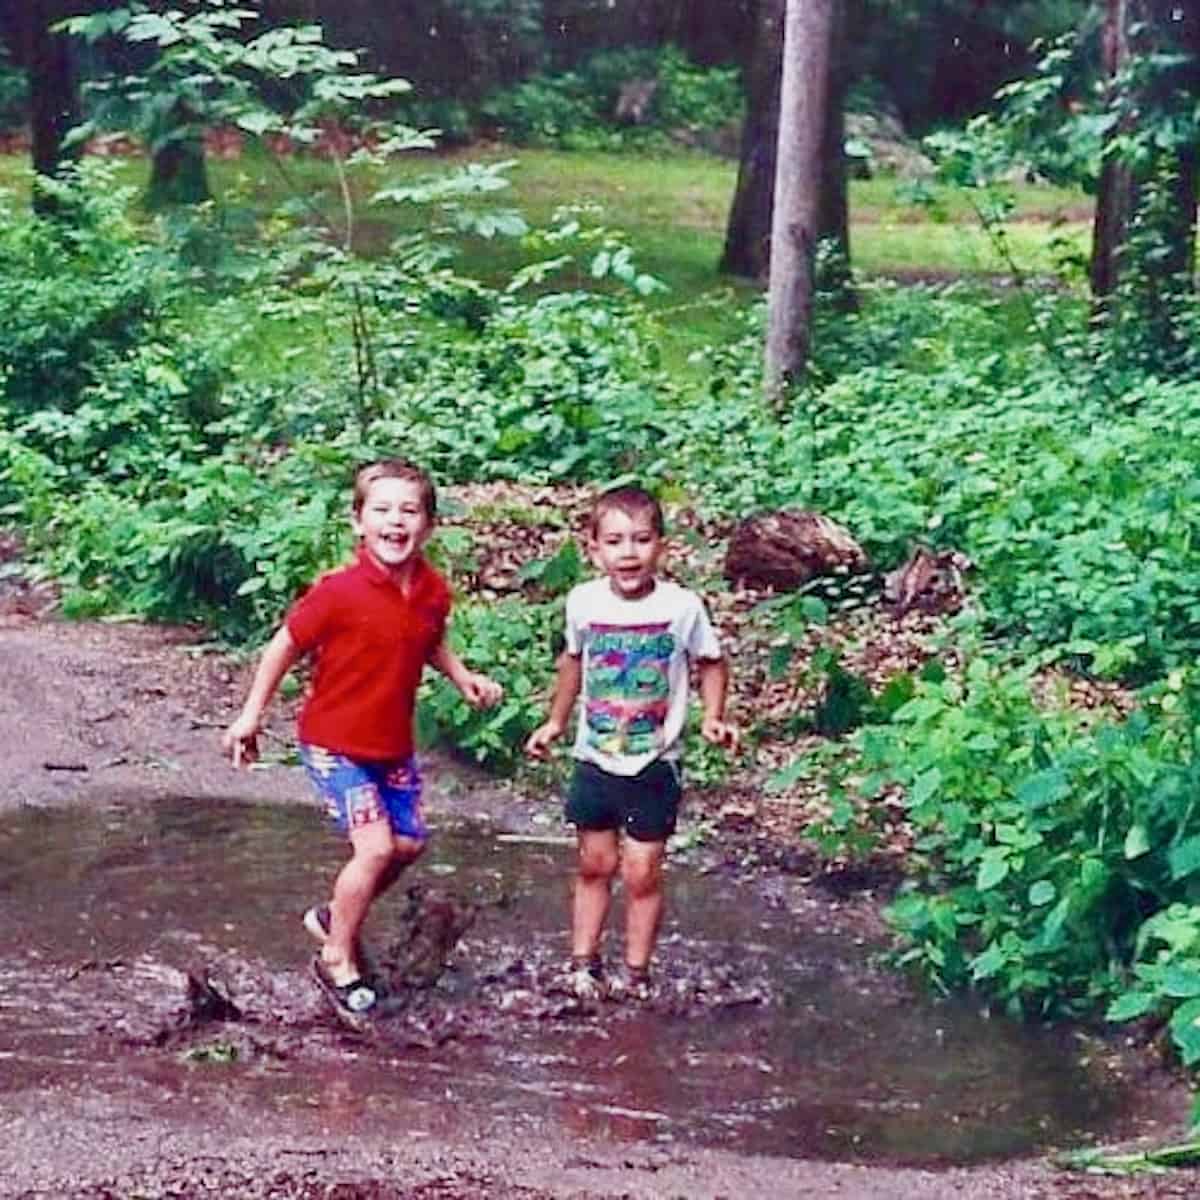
(634,698)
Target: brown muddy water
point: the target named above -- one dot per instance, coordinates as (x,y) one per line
(162,942)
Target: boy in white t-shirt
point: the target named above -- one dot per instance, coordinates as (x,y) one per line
(631,640)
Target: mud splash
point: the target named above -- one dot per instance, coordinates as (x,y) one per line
(163,942)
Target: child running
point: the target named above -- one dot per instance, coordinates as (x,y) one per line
(630,641)
(371,627)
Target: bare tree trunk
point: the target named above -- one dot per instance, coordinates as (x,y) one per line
(807,42)
(1114,198)
(747,249)
(53,88)
(1163,25)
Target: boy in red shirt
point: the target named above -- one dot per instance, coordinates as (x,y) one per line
(371,627)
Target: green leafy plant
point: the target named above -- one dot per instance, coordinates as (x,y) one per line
(514,642)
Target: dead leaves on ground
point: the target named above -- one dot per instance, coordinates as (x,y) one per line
(879,627)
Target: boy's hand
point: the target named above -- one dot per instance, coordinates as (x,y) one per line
(721,733)
(240,740)
(480,691)
(542,738)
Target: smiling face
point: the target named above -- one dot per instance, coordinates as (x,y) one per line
(627,547)
(393,524)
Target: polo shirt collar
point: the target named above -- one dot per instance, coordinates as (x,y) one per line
(379,575)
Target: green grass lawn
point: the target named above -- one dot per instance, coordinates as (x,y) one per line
(672,210)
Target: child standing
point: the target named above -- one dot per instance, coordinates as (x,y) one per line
(630,641)
(371,627)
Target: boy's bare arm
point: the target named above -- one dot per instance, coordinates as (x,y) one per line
(478,690)
(277,659)
(714,688)
(567,683)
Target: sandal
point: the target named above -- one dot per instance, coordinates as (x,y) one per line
(317,921)
(352,1001)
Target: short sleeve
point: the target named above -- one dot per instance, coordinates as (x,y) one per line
(308,619)
(574,622)
(702,640)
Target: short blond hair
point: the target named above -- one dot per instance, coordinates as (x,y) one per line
(393,468)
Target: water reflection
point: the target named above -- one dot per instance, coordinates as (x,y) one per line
(841,1063)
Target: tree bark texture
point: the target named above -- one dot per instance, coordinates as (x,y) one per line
(747,249)
(807,42)
(748,232)
(178,170)
(53,87)
(1163,25)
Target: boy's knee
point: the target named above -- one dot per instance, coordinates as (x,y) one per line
(406,850)
(598,863)
(642,876)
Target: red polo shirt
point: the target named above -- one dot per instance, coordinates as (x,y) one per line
(371,642)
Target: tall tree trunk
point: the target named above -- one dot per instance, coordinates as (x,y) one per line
(748,232)
(1114,197)
(53,91)
(1161,25)
(747,249)
(807,44)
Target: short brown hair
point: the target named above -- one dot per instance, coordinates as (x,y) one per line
(394,468)
(632,501)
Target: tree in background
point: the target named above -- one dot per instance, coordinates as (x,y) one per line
(28,29)
(1151,65)
(748,230)
(936,62)
(804,99)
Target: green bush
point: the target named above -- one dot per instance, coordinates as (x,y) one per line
(514,642)
(576,110)
(1041,847)
(75,291)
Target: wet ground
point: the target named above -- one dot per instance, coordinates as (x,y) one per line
(160,1036)
(167,948)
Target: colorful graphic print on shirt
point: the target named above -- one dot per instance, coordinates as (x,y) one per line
(627,690)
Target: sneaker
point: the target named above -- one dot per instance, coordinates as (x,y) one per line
(585,978)
(317,921)
(633,984)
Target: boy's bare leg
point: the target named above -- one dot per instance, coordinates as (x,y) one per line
(641,870)
(598,860)
(376,862)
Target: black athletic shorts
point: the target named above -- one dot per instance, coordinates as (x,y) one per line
(644,805)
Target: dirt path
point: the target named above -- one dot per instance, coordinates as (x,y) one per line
(114,711)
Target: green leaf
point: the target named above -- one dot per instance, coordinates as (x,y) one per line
(1042,789)
(257,121)
(1181,983)
(989,963)
(1042,892)
(1185,858)
(926,786)
(993,869)
(1185,1029)
(1130,1005)
(1137,842)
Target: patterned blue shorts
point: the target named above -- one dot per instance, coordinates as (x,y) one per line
(358,793)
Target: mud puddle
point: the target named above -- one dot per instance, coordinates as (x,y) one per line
(162,944)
